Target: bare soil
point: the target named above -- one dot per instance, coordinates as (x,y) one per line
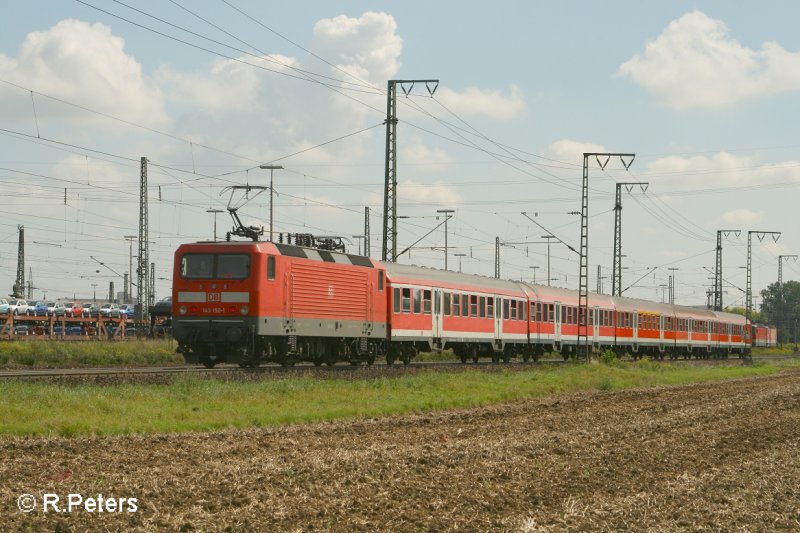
(718,456)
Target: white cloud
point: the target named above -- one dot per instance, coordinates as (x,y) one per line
(740,218)
(484,102)
(411,191)
(367,47)
(87,65)
(228,85)
(571,151)
(722,169)
(695,63)
(417,154)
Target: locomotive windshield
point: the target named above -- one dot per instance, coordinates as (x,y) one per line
(215,266)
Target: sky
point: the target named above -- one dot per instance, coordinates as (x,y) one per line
(705,94)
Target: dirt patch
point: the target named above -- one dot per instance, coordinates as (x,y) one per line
(723,455)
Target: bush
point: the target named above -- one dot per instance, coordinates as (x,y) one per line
(608,357)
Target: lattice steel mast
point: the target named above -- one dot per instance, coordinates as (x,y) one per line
(19,285)
(583,297)
(143,262)
(389,252)
(749,292)
(718,269)
(616,273)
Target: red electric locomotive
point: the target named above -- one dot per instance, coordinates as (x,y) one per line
(252,302)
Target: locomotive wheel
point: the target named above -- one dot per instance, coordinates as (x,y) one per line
(317,362)
(209,361)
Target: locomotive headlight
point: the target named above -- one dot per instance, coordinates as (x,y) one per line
(182,309)
(244,310)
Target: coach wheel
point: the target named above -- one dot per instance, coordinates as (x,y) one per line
(495,357)
(463,358)
(389,359)
(406,358)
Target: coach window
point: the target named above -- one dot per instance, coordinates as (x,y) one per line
(380,280)
(505,310)
(456,305)
(513,309)
(417,301)
(490,307)
(522,306)
(464,305)
(473,306)
(447,304)
(406,300)
(482,307)
(396,299)
(551,313)
(271,267)
(426,302)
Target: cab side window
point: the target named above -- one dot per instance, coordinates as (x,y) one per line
(271,267)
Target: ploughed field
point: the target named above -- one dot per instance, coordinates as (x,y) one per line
(722,455)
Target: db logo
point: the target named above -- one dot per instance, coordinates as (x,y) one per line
(330,291)
(213,297)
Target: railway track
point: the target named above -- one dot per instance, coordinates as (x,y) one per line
(309,368)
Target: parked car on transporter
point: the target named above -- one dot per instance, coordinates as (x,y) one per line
(68,309)
(90,310)
(17,306)
(127,310)
(109,311)
(162,307)
(51,307)
(38,308)
(3,306)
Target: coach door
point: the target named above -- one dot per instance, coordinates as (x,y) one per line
(557,323)
(595,314)
(437,314)
(498,319)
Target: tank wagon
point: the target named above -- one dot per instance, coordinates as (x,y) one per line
(256,302)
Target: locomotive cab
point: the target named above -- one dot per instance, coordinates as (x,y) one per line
(214,295)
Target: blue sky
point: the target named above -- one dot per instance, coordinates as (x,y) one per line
(705,93)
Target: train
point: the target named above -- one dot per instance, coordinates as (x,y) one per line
(250,303)
(764,336)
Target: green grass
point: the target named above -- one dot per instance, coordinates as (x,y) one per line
(786,349)
(70,354)
(193,404)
